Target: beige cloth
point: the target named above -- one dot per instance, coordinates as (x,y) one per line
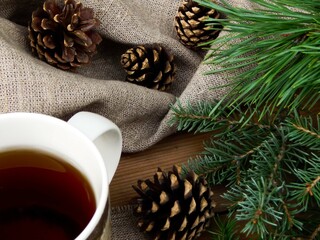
(124,225)
(29,84)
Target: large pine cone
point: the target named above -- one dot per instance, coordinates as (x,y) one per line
(191,27)
(64,35)
(174,207)
(149,66)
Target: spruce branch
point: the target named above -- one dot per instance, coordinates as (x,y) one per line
(265,144)
(214,116)
(307,189)
(311,186)
(258,209)
(272,52)
(271,167)
(195,118)
(226,155)
(306,130)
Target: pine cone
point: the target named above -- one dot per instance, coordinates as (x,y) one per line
(173,207)
(149,66)
(64,36)
(191,27)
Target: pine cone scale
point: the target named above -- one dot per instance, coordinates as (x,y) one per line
(192,206)
(149,66)
(49,58)
(179,214)
(145,64)
(68,54)
(191,26)
(176,209)
(39,51)
(51,8)
(156,57)
(168,80)
(59,58)
(65,35)
(36,24)
(47,24)
(88,25)
(82,57)
(81,38)
(68,41)
(48,42)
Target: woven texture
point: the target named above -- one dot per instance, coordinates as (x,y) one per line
(123,224)
(31,85)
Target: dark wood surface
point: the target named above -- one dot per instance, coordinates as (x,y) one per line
(175,149)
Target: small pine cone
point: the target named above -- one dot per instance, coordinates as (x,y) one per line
(191,27)
(64,36)
(149,66)
(174,207)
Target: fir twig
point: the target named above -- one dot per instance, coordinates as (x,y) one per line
(271,168)
(215,116)
(262,149)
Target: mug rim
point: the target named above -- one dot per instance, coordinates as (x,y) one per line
(101,203)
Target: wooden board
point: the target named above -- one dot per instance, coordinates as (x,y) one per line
(175,149)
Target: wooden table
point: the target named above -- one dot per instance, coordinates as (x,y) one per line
(175,149)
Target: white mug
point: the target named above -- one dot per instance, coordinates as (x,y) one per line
(89,142)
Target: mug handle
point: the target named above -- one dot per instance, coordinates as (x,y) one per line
(105,135)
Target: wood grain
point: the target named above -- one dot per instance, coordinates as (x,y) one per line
(175,149)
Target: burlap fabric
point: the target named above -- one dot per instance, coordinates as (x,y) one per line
(123,225)
(28,84)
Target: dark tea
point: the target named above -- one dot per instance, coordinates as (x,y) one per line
(42,197)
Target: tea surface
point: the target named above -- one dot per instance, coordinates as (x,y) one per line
(42,197)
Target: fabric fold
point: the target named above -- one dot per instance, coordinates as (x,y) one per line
(31,85)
